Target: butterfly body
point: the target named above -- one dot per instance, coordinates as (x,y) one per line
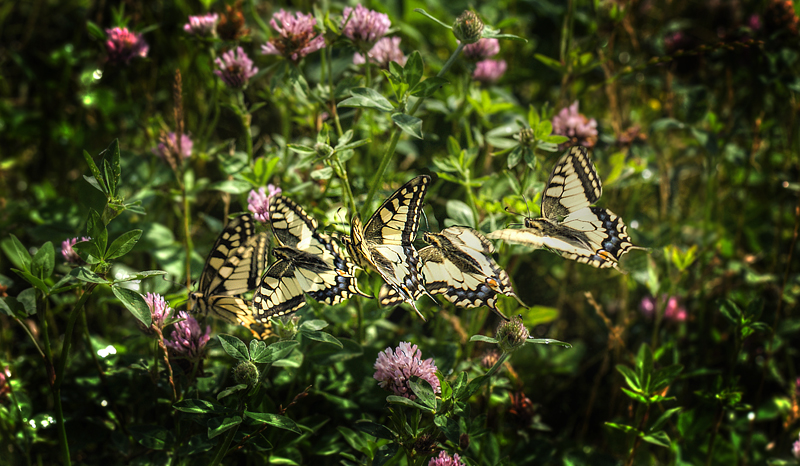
(385,242)
(308,263)
(233,267)
(570,225)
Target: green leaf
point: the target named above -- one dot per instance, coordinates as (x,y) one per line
(87,251)
(275,420)
(657,438)
(412,72)
(44,261)
(17,253)
(515,156)
(322,174)
(316,324)
(113,148)
(385,453)
(664,417)
(33,280)
(321,336)
(140,275)
(123,244)
(374,429)
(198,406)
(109,176)
(231,390)
(543,129)
(27,298)
(460,212)
(231,186)
(427,15)
(424,392)
(622,427)
(428,87)
(257,348)
(101,184)
(153,437)
(554,64)
(221,424)
(96,229)
(234,347)
(483,338)
(364,97)
(135,303)
(409,124)
(276,351)
(95,31)
(399,400)
(460,384)
(473,386)
(301,149)
(630,376)
(548,341)
(449,426)
(85,275)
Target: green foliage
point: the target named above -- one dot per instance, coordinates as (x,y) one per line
(692,126)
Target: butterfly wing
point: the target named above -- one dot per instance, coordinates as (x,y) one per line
(279,292)
(604,232)
(237,310)
(236,261)
(573,185)
(386,241)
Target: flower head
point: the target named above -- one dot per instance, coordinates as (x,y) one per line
(122,45)
(69,254)
(258,202)
(384,51)
(796,449)
(364,26)
(296,38)
(168,147)
(246,372)
(489,71)
(5,388)
(571,123)
(159,309)
(468,27)
(446,460)
(482,49)
(235,68)
(394,369)
(512,335)
(203,25)
(490,358)
(672,312)
(754,22)
(188,339)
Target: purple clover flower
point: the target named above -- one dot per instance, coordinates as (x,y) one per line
(235,68)
(168,148)
(188,339)
(297,37)
(754,22)
(673,311)
(482,49)
(202,25)
(5,387)
(384,51)
(69,254)
(571,123)
(796,449)
(258,202)
(123,45)
(446,460)
(393,370)
(159,309)
(489,71)
(365,26)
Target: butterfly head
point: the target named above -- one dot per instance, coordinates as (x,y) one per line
(432,238)
(282,253)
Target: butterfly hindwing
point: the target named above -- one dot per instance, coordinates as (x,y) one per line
(309,262)
(233,267)
(385,242)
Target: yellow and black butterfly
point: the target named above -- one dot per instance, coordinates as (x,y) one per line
(458,264)
(233,267)
(569,225)
(308,263)
(385,242)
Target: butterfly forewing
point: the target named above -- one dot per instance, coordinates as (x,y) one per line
(572,185)
(309,262)
(385,242)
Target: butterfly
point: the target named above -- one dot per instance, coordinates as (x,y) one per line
(385,242)
(233,267)
(569,225)
(308,263)
(459,265)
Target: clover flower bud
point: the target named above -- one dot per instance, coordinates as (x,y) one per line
(468,27)
(246,372)
(512,335)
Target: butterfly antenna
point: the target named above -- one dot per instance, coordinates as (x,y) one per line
(425,216)
(527,207)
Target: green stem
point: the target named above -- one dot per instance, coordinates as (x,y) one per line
(345,182)
(62,429)
(329,51)
(244,117)
(205,131)
(387,156)
(73,317)
(223,449)
(497,365)
(187,237)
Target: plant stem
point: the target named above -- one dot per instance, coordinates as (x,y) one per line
(244,117)
(223,449)
(329,51)
(387,156)
(187,237)
(73,317)
(497,365)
